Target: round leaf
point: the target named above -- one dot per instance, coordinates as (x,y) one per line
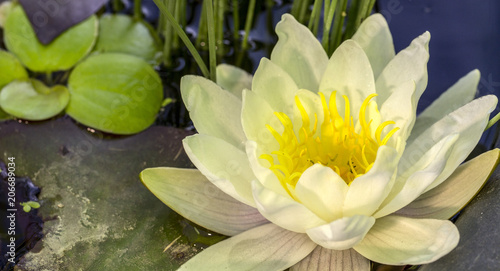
(122,34)
(33,204)
(32,100)
(115,93)
(61,54)
(27,208)
(10,69)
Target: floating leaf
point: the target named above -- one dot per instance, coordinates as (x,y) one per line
(27,208)
(115,93)
(61,54)
(122,34)
(33,204)
(32,100)
(10,69)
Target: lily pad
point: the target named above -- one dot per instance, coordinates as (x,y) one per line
(32,100)
(61,54)
(115,93)
(10,69)
(122,34)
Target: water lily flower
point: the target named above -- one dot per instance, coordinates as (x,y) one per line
(322,164)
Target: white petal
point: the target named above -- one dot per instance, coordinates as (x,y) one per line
(256,113)
(367,192)
(452,195)
(273,84)
(461,93)
(284,211)
(267,247)
(409,64)
(397,240)
(411,183)
(342,233)
(299,53)
(374,36)
(233,79)
(191,195)
(213,110)
(401,108)
(323,259)
(322,191)
(349,73)
(469,121)
(223,164)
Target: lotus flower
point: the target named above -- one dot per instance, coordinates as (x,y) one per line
(323,164)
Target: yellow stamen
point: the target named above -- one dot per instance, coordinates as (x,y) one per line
(336,145)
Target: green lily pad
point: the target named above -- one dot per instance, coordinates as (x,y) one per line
(32,100)
(115,93)
(10,69)
(122,34)
(61,54)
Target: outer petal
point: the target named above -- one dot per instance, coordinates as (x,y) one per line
(323,259)
(299,53)
(342,233)
(452,195)
(469,121)
(267,247)
(399,240)
(213,110)
(233,79)
(322,191)
(349,73)
(409,64)
(190,194)
(374,36)
(284,211)
(223,164)
(461,93)
(367,192)
(272,83)
(412,183)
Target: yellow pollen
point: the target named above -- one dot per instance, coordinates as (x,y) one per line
(337,145)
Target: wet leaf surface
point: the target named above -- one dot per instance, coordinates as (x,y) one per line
(97,214)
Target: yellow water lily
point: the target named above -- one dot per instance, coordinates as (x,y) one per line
(322,164)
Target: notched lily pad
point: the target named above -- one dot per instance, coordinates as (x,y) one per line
(115,93)
(61,54)
(32,100)
(122,34)
(10,69)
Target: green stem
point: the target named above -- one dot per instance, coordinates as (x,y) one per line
(117,5)
(179,18)
(315,16)
(236,20)
(221,8)
(302,13)
(296,8)
(50,81)
(169,35)
(338,24)
(211,40)
(248,23)
(492,121)
(202,27)
(184,38)
(370,8)
(328,24)
(138,10)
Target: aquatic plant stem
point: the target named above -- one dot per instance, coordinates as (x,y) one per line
(138,10)
(168,34)
(211,39)
(202,27)
(327,23)
(248,23)
(184,38)
(117,5)
(315,16)
(236,20)
(492,121)
(221,8)
(338,24)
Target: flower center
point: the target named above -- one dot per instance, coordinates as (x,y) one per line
(338,146)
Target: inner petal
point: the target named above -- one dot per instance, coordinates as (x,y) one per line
(336,142)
